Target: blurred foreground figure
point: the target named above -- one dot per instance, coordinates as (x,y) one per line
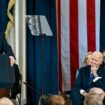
(96,96)
(93,99)
(60,99)
(5,101)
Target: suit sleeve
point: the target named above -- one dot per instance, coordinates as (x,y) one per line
(101,82)
(78,79)
(6,47)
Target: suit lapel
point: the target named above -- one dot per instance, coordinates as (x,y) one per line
(88,75)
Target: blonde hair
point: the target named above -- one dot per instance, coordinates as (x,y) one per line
(93,99)
(86,57)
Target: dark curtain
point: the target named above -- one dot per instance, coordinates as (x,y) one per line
(44,81)
(102,25)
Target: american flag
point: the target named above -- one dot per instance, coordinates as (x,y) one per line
(79,31)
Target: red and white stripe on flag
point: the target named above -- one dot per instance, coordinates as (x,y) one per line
(78,27)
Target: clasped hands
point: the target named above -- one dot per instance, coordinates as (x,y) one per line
(94,71)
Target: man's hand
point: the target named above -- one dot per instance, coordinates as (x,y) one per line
(94,71)
(12,60)
(83,92)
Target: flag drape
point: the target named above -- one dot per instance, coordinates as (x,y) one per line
(6,16)
(10,23)
(81,28)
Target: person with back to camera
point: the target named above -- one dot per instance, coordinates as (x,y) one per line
(6,101)
(88,77)
(6,48)
(95,96)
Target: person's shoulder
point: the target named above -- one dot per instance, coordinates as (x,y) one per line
(85,67)
(102,65)
(102,69)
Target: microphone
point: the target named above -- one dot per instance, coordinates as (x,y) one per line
(31,88)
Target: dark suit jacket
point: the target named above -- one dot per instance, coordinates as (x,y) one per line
(83,82)
(4,46)
(83,78)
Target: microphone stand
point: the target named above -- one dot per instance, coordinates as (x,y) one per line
(42,55)
(31,88)
(39,26)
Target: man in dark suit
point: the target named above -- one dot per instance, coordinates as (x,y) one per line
(6,48)
(88,77)
(103,52)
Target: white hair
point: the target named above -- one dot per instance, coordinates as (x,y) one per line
(99,55)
